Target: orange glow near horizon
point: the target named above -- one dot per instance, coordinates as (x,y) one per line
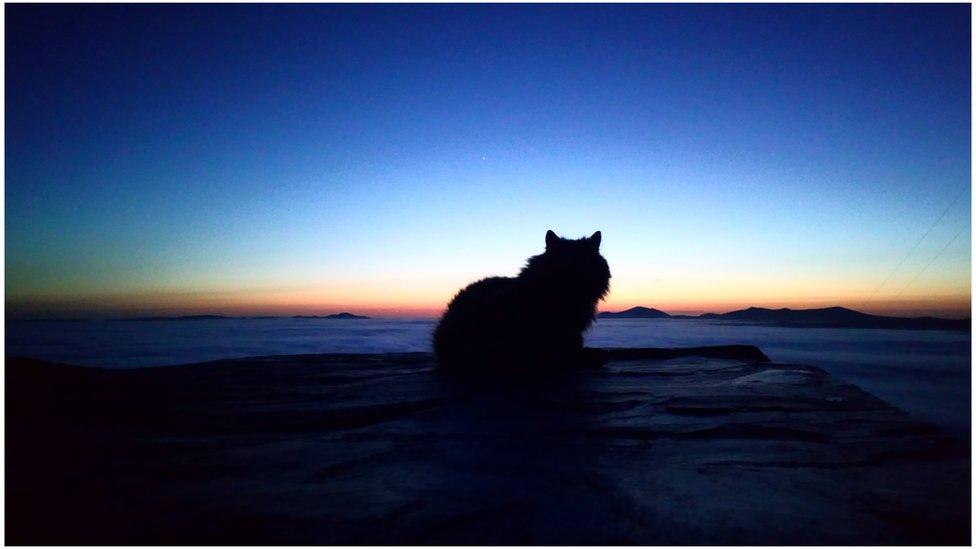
(415,294)
(428,301)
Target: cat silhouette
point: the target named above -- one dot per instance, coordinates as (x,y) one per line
(532,322)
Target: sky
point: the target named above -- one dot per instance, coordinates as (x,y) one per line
(302,159)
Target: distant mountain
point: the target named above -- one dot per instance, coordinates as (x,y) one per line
(337,316)
(829,317)
(635,312)
(829,314)
(838,317)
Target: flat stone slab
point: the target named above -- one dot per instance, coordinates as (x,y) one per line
(659,447)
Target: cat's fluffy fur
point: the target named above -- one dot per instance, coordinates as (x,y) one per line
(534,321)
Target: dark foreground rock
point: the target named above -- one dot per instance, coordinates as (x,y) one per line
(660,447)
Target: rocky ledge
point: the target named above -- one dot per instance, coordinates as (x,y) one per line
(702,446)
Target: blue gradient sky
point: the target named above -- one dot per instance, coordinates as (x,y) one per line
(265,159)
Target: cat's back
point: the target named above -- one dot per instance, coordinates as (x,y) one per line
(470,313)
(480,295)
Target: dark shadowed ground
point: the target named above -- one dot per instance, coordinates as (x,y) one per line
(717,447)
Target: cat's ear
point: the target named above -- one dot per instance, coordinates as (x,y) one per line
(551,239)
(595,239)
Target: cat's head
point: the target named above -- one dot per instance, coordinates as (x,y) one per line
(573,265)
(580,246)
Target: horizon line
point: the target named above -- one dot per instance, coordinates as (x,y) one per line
(391,313)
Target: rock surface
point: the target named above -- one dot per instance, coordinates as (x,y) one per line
(656,448)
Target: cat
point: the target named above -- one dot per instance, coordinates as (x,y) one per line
(532,322)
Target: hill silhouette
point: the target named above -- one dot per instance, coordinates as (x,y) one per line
(828,317)
(636,312)
(337,316)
